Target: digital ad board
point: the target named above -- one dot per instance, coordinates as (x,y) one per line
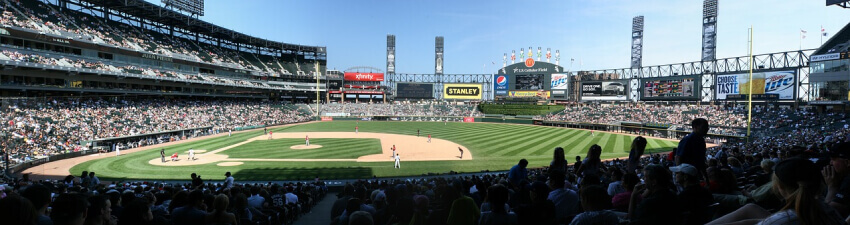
(559,83)
(766,85)
(462,91)
(415,90)
(529,82)
(670,88)
(500,84)
(615,90)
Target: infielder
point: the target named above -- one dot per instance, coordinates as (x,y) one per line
(270,135)
(429,138)
(356,129)
(397,165)
(461,152)
(307,138)
(417,132)
(192,154)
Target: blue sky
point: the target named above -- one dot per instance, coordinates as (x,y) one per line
(595,32)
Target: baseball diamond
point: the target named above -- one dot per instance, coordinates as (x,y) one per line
(346,155)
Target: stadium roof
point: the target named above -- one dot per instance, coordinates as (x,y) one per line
(152,12)
(839,42)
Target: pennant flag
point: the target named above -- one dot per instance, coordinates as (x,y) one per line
(823,31)
(802,34)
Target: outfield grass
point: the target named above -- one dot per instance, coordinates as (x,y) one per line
(332,148)
(494,147)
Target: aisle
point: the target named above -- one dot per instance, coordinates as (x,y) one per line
(320,215)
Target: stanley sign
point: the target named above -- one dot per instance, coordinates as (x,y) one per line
(462,91)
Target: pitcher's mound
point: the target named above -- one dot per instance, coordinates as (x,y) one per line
(305,147)
(229,164)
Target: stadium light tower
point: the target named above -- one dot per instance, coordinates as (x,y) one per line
(709,30)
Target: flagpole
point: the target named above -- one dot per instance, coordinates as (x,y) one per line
(750,90)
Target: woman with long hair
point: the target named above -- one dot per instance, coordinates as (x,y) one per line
(219,215)
(559,162)
(592,164)
(799,182)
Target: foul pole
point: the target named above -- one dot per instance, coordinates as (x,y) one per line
(750,90)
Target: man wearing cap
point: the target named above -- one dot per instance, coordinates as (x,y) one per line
(693,197)
(691,149)
(837,179)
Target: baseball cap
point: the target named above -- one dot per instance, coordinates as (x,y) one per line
(686,169)
(840,150)
(797,169)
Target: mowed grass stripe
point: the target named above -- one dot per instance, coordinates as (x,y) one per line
(551,144)
(585,144)
(492,135)
(572,146)
(623,144)
(535,145)
(502,144)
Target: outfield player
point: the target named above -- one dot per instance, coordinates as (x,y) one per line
(397,165)
(429,138)
(192,154)
(229,132)
(591,133)
(461,152)
(307,139)
(117,150)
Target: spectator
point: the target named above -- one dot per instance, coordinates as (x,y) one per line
(228,181)
(616,187)
(463,210)
(219,215)
(566,201)
(99,211)
(518,173)
(837,176)
(540,210)
(256,201)
(420,212)
(559,163)
(659,205)
(39,196)
(17,211)
(360,218)
(137,212)
(695,199)
(691,148)
(497,195)
(193,213)
(620,201)
(592,165)
(798,182)
(69,209)
(638,147)
(594,200)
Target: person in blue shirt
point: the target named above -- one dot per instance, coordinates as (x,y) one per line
(518,173)
(691,148)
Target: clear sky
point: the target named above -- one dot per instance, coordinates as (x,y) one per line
(478,33)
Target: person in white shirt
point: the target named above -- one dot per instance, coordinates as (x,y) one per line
(117,150)
(397,165)
(228,180)
(291,197)
(192,154)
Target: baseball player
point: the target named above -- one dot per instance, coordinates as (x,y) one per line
(229,132)
(591,133)
(307,138)
(461,152)
(162,154)
(174,157)
(429,138)
(117,150)
(270,135)
(192,154)
(417,132)
(397,165)
(356,129)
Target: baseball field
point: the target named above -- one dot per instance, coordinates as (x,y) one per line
(337,152)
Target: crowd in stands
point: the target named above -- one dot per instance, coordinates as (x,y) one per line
(402,109)
(40,17)
(42,128)
(87,200)
(730,120)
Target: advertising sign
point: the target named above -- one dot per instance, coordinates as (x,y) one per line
(469,119)
(670,88)
(353,76)
(415,90)
(529,94)
(327,118)
(462,91)
(559,81)
(766,84)
(500,84)
(606,90)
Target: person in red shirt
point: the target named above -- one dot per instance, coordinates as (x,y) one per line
(356,129)
(270,135)
(429,138)
(307,138)
(174,157)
